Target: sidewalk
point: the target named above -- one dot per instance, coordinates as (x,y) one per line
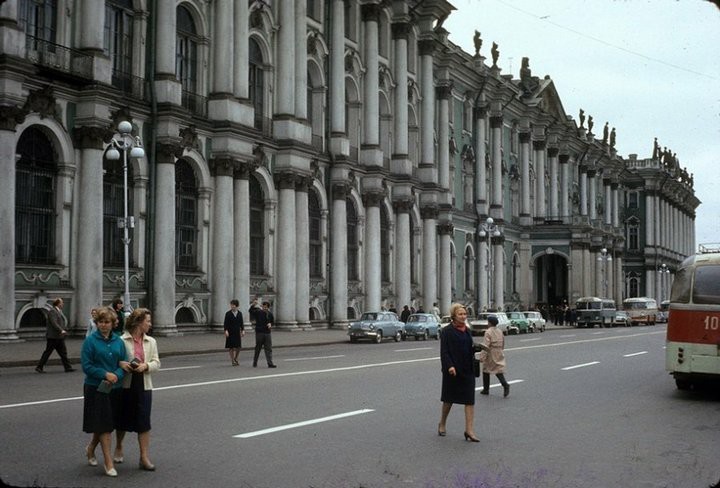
(28,353)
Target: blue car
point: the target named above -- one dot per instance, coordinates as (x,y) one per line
(376,326)
(422,326)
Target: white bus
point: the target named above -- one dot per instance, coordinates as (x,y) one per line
(642,310)
(593,311)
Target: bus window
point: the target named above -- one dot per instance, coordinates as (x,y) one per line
(681,286)
(707,285)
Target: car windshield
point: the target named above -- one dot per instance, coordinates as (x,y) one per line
(417,318)
(369,316)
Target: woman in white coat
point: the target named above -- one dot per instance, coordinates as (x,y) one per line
(493,357)
(136,401)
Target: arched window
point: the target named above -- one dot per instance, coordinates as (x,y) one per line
(352,241)
(114,212)
(315,235)
(186,51)
(634,288)
(515,271)
(257,228)
(633,236)
(256,82)
(384,245)
(118,41)
(35,199)
(186,216)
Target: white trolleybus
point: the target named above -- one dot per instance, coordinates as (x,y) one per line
(642,310)
(592,311)
(692,351)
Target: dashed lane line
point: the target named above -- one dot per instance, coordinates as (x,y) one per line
(304,423)
(568,368)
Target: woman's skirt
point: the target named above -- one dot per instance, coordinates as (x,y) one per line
(135,406)
(100,410)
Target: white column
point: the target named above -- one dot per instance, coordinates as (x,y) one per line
(592,194)
(285,102)
(615,205)
(498,274)
(554,194)
(481,197)
(427,113)
(402,252)
(400,33)
(483,266)
(496,202)
(583,191)
(598,275)
(92,15)
(241,240)
(373,271)
(371,101)
(302,247)
(429,216)
(222,247)
(7,222)
(525,211)
(89,258)
(286,277)
(338,254)
(443,94)
(565,188)
(300,54)
(337,69)
(241,54)
(166,33)
(650,217)
(540,208)
(223,69)
(607,202)
(445,230)
(164,243)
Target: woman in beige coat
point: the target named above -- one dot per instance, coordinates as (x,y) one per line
(493,357)
(136,402)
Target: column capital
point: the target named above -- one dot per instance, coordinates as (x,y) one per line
(373,198)
(168,151)
(401,30)
(303,183)
(591,173)
(92,137)
(285,180)
(370,12)
(445,228)
(426,47)
(403,205)
(524,137)
(223,166)
(496,120)
(553,152)
(539,145)
(564,158)
(340,191)
(480,111)
(244,169)
(444,90)
(11,116)
(429,212)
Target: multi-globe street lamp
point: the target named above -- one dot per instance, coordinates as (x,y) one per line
(489,229)
(664,272)
(604,257)
(123,141)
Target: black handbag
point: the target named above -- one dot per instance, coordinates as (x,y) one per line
(476,367)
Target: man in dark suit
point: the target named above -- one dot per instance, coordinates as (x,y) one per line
(263,323)
(55,333)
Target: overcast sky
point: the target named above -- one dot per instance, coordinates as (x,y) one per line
(650,68)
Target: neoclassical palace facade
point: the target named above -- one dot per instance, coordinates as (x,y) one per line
(330,157)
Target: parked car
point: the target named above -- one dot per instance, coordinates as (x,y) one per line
(622,318)
(376,326)
(518,319)
(536,321)
(445,321)
(480,323)
(422,326)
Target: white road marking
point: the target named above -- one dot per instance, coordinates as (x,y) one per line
(530,340)
(41,402)
(511,382)
(316,357)
(598,333)
(635,354)
(568,335)
(580,365)
(302,424)
(414,349)
(180,367)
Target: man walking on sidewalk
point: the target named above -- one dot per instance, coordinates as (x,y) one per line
(263,323)
(55,334)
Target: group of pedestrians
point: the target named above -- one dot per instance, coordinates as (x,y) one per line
(459,368)
(234,327)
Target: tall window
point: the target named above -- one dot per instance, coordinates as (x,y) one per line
(313,9)
(256,82)
(186,51)
(315,235)
(257,228)
(469,269)
(633,237)
(113,211)
(634,287)
(384,245)
(39,18)
(186,217)
(350,20)
(118,36)
(352,241)
(35,199)
(633,199)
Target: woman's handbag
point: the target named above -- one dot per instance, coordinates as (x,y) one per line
(476,367)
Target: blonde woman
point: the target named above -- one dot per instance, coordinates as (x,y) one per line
(458,376)
(136,401)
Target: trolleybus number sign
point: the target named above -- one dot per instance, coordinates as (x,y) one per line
(712,322)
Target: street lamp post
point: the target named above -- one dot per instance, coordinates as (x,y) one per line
(605,257)
(664,272)
(489,229)
(123,141)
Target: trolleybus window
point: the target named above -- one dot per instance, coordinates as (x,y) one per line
(707,285)
(681,286)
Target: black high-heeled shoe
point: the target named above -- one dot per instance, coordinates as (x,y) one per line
(470,438)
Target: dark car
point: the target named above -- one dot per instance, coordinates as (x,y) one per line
(422,326)
(375,326)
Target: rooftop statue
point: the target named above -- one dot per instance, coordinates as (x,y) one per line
(590,123)
(582,118)
(656,149)
(477,40)
(612,138)
(495,54)
(605,133)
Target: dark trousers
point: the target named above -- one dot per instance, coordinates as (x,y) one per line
(263,340)
(55,345)
(486,380)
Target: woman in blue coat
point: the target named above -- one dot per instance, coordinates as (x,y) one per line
(458,376)
(101,354)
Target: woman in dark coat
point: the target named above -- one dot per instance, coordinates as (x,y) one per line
(458,380)
(234,330)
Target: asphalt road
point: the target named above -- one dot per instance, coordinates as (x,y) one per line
(588,408)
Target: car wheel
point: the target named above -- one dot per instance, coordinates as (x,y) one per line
(398,336)
(378,337)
